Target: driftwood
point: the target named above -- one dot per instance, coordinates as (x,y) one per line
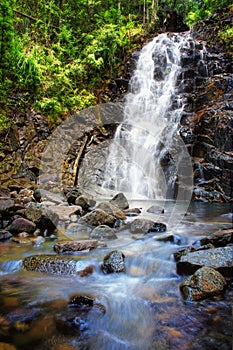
(77,160)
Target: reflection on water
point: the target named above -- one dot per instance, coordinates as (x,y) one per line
(143,307)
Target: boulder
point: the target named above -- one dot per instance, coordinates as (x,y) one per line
(4,234)
(155,209)
(114,262)
(112,210)
(21,225)
(54,264)
(204,283)
(33,212)
(219,238)
(85,203)
(103,232)
(6,204)
(98,217)
(71,247)
(217,258)
(146,225)
(60,214)
(120,201)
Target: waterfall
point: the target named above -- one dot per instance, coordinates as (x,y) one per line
(152,112)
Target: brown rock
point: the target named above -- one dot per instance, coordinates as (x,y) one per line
(21,225)
(69,247)
(112,210)
(204,283)
(98,217)
(219,238)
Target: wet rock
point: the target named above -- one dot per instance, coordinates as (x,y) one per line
(21,225)
(145,226)
(204,283)
(114,262)
(155,209)
(81,300)
(186,250)
(78,231)
(84,203)
(98,217)
(53,264)
(217,258)
(60,214)
(132,212)
(219,238)
(4,234)
(112,210)
(37,196)
(213,341)
(120,201)
(103,232)
(6,204)
(72,195)
(33,212)
(71,247)
(170,238)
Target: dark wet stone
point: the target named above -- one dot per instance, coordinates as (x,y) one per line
(84,203)
(71,247)
(120,201)
(103,232)
(141,226)
(37,196)
(114,262)
(4,234)
(6,204)
(21,225)
(98,217)
(219,238)
(157,227)
(170,238)
(132,212)
(81,301)
(204,283)
(217,258)
(212,341)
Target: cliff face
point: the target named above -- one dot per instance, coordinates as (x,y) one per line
(211,123)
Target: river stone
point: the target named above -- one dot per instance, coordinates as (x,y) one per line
(217,258)
(84,202)
(6,204)
(219,238)
(103,232)
(204,283)
(21,225)
(4,234)
(33,212)
(155,209)
(186,250)
(71,247)
(132,212)
(60,214)
(113,262)
(146,225)
(120,201)
(112,210)
(54,264)
(98,217)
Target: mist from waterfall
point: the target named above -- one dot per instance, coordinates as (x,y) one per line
(152,112)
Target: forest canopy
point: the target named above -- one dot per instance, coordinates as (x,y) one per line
(55,55)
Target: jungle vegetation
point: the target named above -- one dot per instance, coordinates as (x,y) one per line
(56,54)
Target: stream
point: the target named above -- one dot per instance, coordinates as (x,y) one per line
(143,307)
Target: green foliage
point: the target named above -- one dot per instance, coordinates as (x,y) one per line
(60,52)
(4,123)
(226,37)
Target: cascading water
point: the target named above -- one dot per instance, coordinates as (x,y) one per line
(151,115)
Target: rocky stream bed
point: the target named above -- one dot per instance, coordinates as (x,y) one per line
(76,274)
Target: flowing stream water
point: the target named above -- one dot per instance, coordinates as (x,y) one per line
(144,309)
